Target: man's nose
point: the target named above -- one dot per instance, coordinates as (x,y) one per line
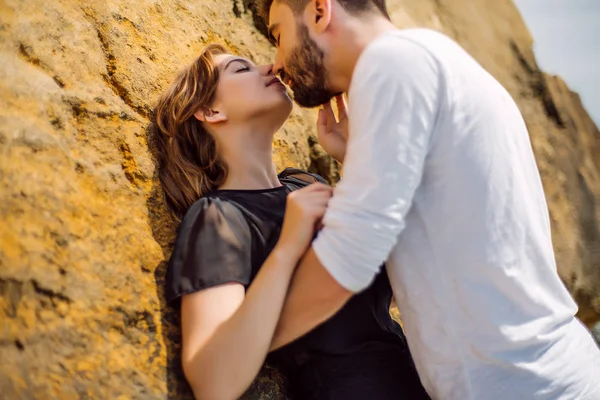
(277,65)
(266,70)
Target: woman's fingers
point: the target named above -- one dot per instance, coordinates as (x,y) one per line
(319,201)
(342,107)
(321,121)
(328,109)
(315,198)
(326,117)
(319,187)
(329,115)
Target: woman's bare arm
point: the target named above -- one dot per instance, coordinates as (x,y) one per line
(226,333)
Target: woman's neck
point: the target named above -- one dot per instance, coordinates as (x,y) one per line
(250,163)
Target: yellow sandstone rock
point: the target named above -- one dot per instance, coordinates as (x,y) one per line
(84,236)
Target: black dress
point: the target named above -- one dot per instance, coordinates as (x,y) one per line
(360,353)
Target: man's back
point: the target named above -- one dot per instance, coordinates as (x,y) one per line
(496,321)
(473,269)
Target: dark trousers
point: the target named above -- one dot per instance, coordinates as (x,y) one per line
(377,371)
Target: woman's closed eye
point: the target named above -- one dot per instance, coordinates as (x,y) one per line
(242,69)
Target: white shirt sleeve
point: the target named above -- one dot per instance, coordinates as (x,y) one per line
(393,102)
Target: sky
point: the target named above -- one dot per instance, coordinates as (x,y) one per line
(566,36)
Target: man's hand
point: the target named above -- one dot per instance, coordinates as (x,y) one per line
(333,134)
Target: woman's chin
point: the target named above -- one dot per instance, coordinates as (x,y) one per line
(290,106)
(286,104)
(283,110)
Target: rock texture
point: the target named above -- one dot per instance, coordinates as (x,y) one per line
(84,235)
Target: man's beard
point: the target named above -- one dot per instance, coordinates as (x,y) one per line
(307,72)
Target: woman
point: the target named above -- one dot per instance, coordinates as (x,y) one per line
(233,261)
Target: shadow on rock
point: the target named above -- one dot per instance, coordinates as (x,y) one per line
(164,229)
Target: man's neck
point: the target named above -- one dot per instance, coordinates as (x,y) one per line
(353,38)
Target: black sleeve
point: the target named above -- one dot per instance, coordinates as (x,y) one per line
(212,248)
(304,176)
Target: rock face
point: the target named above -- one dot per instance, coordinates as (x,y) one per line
(84,234)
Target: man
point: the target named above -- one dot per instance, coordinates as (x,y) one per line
(440,182)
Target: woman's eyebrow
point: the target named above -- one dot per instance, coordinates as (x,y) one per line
(234,60)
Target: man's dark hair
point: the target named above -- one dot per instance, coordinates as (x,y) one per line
(297,6)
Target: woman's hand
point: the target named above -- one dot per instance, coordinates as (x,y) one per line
(304,209)
(333,135)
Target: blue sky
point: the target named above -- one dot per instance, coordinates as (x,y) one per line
(567,43)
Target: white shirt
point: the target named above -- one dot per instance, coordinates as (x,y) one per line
(441,182)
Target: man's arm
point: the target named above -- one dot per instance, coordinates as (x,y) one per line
(394,98)
(315,297)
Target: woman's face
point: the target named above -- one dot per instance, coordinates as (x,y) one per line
(246,91)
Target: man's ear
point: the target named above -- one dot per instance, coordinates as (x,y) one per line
(210,116)
(319,14)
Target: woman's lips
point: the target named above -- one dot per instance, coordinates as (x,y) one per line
(274,81)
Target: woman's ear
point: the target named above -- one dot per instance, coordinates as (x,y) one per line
(210,116)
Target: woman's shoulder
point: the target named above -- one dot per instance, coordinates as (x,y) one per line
(212,209)
(213,246)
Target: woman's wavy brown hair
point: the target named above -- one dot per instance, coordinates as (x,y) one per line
(187,156)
